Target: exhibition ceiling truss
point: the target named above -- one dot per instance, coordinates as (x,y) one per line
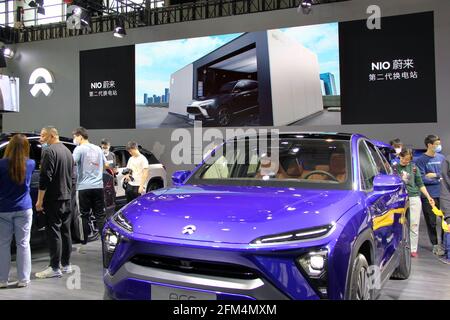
(142,14)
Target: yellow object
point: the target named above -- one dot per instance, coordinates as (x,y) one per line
(387,219)
(439,213)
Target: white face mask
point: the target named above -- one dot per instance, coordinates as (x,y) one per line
(398,150)
(105,152)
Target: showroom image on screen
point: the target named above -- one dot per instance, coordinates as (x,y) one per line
(240,79)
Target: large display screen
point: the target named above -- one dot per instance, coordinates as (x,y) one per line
(9,94)
(388,75)
(107,88)
(256,78)
(327,74)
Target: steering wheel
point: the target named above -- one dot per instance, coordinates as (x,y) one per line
(325,173)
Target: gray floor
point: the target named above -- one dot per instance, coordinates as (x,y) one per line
(430,278)
(324,118)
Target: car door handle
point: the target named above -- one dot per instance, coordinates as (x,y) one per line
(247,95)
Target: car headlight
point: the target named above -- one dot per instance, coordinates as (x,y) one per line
(298,235)
(122,221)
(315,265)
(111,240)
(207,103)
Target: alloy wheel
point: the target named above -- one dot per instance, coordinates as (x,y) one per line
(224,117)
(363,290)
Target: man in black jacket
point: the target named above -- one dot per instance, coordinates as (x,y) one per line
(54,200)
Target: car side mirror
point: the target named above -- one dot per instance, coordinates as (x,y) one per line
(384,182)
(179,177)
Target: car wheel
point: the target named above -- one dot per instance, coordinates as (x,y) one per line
(404,268)
(224,117)
(360,282)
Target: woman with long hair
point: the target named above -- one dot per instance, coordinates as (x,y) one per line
(16,209)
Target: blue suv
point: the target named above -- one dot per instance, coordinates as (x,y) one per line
(325,219)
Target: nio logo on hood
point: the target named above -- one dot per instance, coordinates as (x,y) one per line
(190,229)
(37,87)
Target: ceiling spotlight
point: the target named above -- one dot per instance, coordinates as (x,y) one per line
(305,6)
(119,30)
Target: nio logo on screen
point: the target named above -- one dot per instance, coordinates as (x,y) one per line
(37,85)
(190,229)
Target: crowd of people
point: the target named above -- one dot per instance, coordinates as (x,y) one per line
(60,173)
(427,179)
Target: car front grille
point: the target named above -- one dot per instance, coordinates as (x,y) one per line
(193,110)
(195,266)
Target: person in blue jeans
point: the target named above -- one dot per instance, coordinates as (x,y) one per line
(16,213)
(430,164)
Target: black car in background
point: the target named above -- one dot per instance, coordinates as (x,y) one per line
(38,235)
(233,98)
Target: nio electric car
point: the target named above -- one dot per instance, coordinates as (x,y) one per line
(235,97)
(318,216)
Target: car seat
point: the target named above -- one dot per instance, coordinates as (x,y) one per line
(337,166)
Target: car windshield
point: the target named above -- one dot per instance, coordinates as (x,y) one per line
(292,162)
(227,87)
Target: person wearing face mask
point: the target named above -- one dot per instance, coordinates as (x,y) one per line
(54,201)
(430,164)
(397,145)
(110,156)
(410,175)
(90,161)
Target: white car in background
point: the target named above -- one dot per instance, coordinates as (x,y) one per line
(157,178)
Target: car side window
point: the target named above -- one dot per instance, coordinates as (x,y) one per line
(251,85)
(150,157)
(120,158)
(240,86)
(377,158)
(367,167)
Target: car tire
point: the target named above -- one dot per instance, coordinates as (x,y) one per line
(359,282)
(404,268)
(224,117)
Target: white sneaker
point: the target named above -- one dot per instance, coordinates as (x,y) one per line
(438,250)
(22,284)
(82,249)
(49,273)
(3,285)
(66,269)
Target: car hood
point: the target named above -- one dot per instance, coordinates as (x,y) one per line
(235,214)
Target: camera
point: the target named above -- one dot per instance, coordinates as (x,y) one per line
(127,171)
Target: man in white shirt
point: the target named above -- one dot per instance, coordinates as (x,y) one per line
(137,180)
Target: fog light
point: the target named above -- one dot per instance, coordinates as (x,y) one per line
(314,263)
(317,262)
(111,240)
